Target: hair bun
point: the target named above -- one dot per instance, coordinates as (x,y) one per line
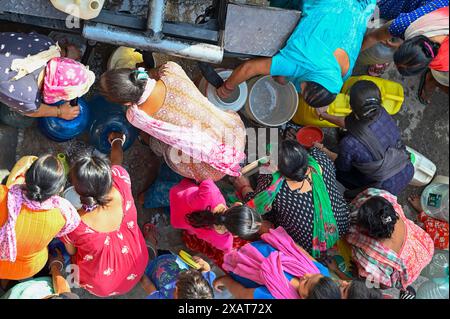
(34,193)
(139,77)
(221,219)
(386,217)
(88,200)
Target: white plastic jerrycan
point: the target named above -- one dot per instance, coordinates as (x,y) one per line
(83,9)
(424,169)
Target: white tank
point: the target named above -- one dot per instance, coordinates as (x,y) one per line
(83,9)
(424,169)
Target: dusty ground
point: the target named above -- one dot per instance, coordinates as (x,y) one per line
(426,129)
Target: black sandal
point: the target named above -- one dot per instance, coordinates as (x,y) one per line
(423,79)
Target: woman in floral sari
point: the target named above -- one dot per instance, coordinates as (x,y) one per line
(388,248)
(196,139)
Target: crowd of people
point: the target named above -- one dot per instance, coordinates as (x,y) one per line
(279,239)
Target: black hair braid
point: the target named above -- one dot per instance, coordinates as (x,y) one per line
(202,219)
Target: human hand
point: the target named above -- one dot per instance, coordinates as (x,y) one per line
(57,260)
(319,146)
(116,135)
(321,110)
(265,227)
(69,112)
(331,264)
(241,183)
(291,134)
(280,80)
(204,266)
(224,92)
(391,43)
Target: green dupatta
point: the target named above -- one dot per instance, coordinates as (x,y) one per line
(325,232)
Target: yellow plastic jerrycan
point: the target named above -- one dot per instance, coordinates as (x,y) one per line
(124,57)
(83,9)
(392,96)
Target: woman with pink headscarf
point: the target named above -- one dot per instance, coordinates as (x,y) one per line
(33,75)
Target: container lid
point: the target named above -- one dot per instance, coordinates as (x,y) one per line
(309,135)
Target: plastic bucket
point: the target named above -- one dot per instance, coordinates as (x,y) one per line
(234,103)
(309,135)
(270,103)
(424,169)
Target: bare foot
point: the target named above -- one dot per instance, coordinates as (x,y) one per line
(280,80)
(150,232)
(426,88)
(414,201)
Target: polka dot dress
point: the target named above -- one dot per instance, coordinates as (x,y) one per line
(294,211)
(405,12)
(22,95)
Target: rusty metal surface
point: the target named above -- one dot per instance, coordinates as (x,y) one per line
(258,31)
(39,8)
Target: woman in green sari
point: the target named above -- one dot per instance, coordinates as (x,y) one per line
(302,197)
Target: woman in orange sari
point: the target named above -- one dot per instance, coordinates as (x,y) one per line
(31,215)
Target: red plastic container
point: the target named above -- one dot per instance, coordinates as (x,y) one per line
(309,135)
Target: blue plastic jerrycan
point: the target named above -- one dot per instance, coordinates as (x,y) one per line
(107,117)
(60,130)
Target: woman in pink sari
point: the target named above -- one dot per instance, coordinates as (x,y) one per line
(388,248)
(276,268)
(210,227)
(196,139)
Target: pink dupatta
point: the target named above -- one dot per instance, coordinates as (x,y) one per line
(249,263)
(66,79)
(193,142)
(16,198)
